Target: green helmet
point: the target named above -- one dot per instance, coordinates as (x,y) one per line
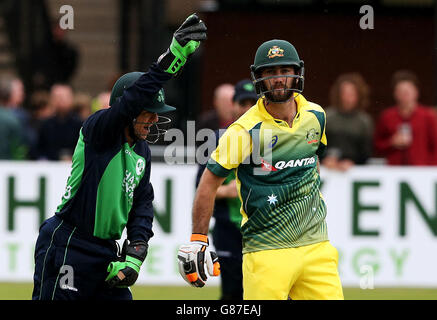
(157,106)
(277,53)
(125,81)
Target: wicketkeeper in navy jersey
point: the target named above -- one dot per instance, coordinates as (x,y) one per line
(76,255)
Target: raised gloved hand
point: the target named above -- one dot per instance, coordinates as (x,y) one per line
(192,259)
(186,40)
(124,273)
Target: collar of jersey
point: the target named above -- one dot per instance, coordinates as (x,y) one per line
(125,142)
(300,101)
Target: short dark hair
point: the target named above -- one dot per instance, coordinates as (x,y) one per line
(404,75)
(39,100)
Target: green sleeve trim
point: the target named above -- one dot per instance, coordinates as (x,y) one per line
(230,177)
(321,118)
(217,169)
(77,169)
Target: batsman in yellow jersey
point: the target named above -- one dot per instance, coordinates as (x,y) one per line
(274,150)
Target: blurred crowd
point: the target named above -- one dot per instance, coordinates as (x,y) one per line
(402,134)
(47,126)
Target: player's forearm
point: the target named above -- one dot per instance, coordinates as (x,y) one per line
(204,201)
(202,210)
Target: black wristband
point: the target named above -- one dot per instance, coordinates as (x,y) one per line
(137,249)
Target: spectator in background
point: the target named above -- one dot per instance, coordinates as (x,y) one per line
(349,128)
(59,133)
(55,62)
(15,103)
(223,113)
(40,110)
(245,97)
(82,105)
(40,107)
(17,95)
(406,133)
(12,145)
(101,101)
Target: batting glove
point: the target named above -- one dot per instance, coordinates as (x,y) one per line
(124,273)
(186,40)
(192,259)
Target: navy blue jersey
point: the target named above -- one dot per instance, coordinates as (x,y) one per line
(109,187)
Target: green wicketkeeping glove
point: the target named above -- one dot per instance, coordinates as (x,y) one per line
(186,40)
(124,273)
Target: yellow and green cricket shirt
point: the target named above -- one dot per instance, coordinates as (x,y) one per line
(277,177)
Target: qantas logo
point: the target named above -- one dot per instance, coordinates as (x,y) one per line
(265,166)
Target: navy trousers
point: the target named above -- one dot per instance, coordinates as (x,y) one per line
(228,244)
(70,266)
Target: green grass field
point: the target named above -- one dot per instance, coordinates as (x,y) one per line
(23,291)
